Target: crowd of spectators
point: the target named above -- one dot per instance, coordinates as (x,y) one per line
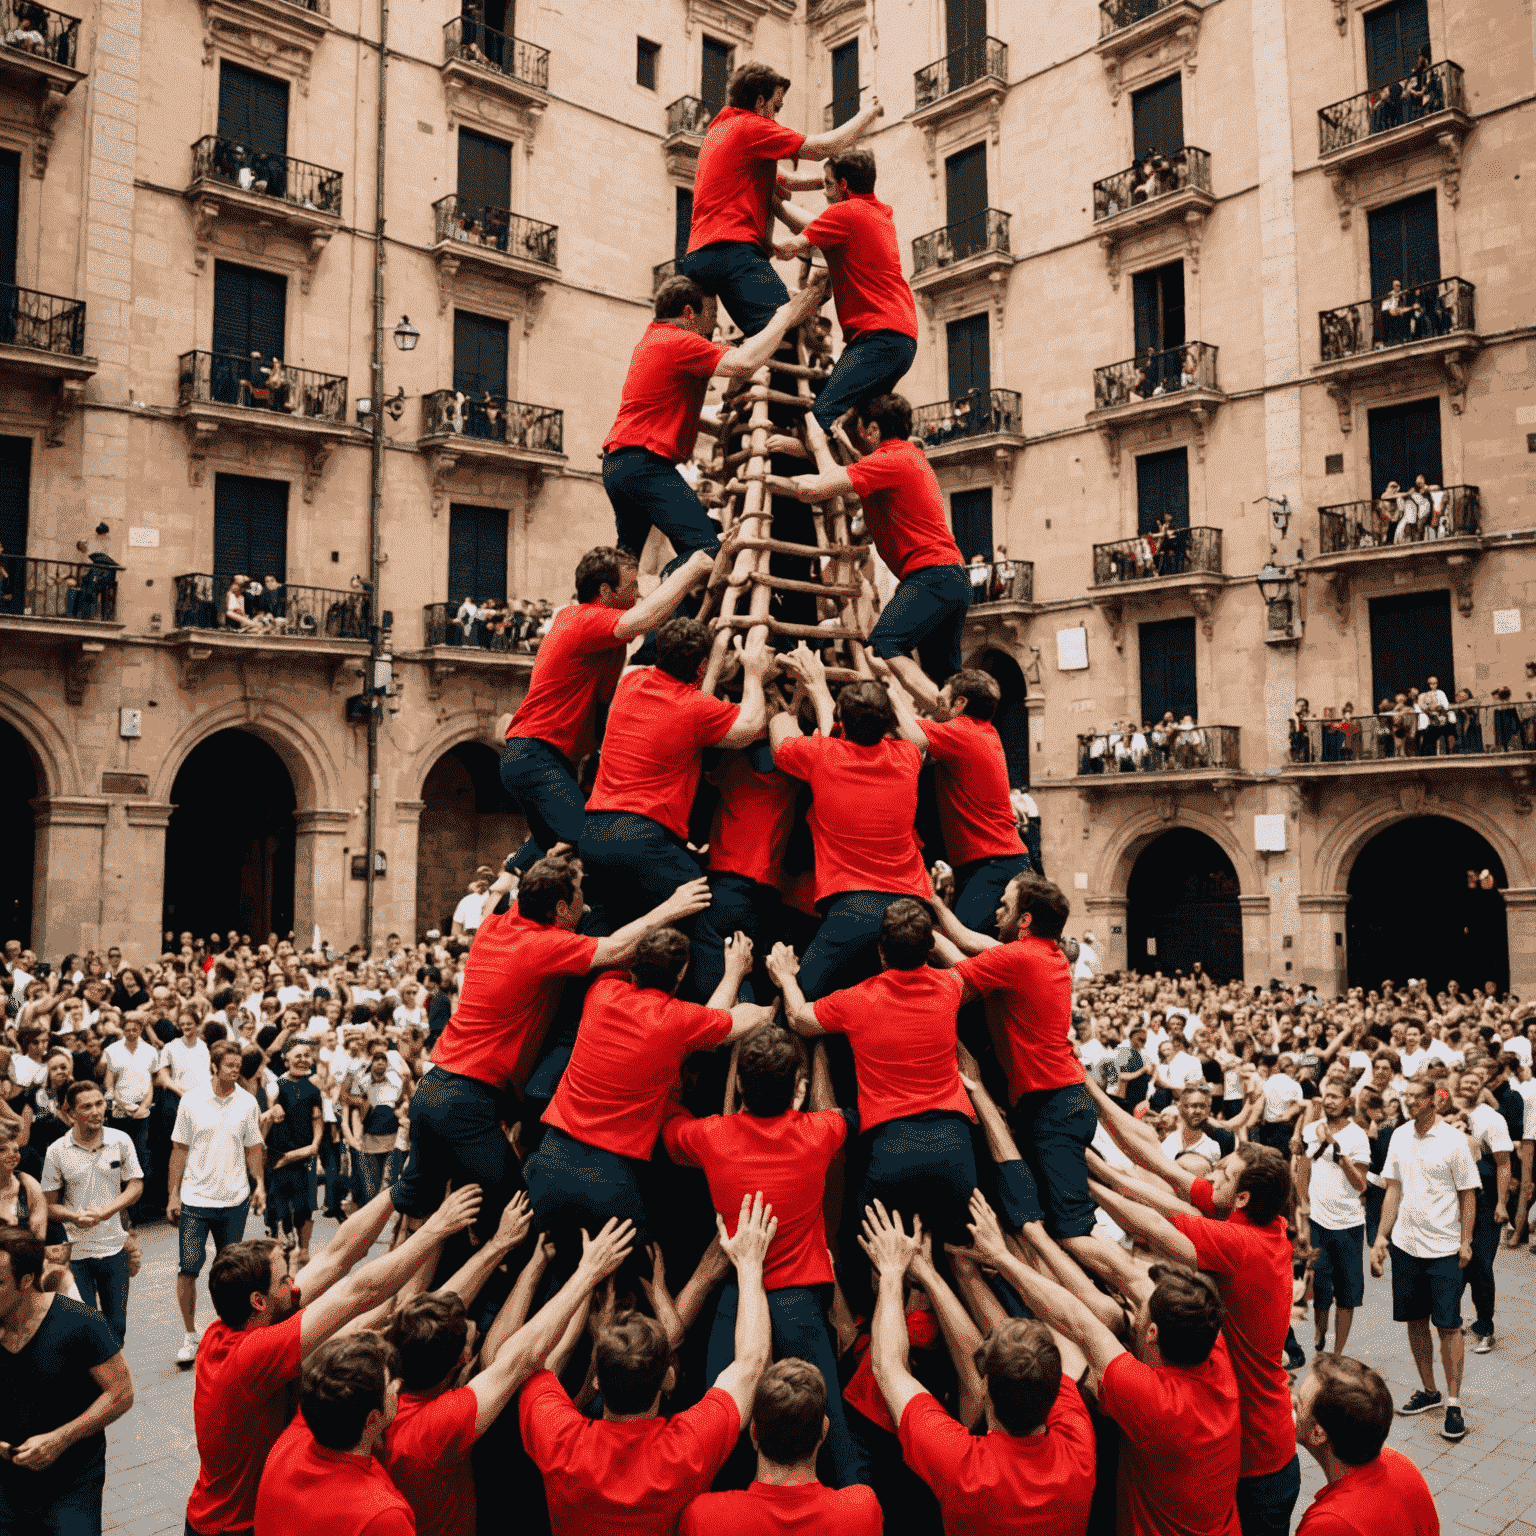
(501,624)
(1414,722)
(1168,745)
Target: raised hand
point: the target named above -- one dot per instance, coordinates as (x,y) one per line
(754,1232)
(738,954)
(885,1241)
(781,963)
(603,1254)
(515,1221)
(456,1212)
(986,1234)
(687,899)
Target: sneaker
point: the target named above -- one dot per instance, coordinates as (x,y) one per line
(1484,1344)
(1455,1426)
(1422,1402)
(1295,1357)
(188,1351)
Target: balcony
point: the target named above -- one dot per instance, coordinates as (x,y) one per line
(688,120)
(1167,190)
(38,48)
(1178,381)
(1149,36)
(971,251)
(54,591)
(1180,563)
(1003,587)
(494,240)
(492,649)
(42,336)
(978,426)
(1126,754)
(491,431)
(479,59)
(1387,121)
(958,82)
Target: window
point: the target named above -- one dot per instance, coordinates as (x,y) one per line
(965,200)
(249,319)
(15,478)
(250,527)
(845,82)
(1168,670)
(965,41)
(485,174)
(253,111)
(1157,118)
(716,71)
(479,355)
(1410,640)
(10,212)
(477,553)
(1405,441)
(683,225)
(971,514)
(1162,489)
(646,55)
(1405,244)
(1158,300)
(1393,37)
(970,360)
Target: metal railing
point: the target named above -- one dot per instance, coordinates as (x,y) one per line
(58,589)
(43,321)
(31,28)
(498,628)
(493,418)
(1400,517)
(1003,581)
(311,187)
(973,236)
(472,42)
(497,229)
(255,607)
(660,273)
(1153,176)
(1192,366)
(1116,15)
(1398,319)
(262,384)
(1174,552)
(1465,729)
(976,414)
(689,115)
(1166,748)
(965,66)
(1421,94)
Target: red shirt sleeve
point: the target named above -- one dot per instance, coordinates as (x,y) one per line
(268,1358)
(444,1429)
(989,971)
(1202,1195)
(695,354)
(769,140)
(947,740)
(546,1417)
(1220,1246)
(878,472)
(934,1445)
(834,1012)
(566,954)
(1131,1393)
(833,1124)
(390,1522)
(678,1136)
(711,718)
(595,630)
(795,756)
(829,229)
(708,1027)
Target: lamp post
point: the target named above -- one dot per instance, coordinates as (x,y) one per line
(1276,587)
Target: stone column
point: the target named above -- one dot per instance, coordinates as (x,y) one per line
(67,875)
(1256,939)
(1520,922)
(1106,917)
(320,876)
(134,892)
(399,906)
(1324,943)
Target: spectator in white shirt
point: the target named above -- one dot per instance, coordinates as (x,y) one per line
(410,1009)
(1490,1142)
(1087,966)
(183,1063)
(1283,1101)
(129,1084)
(1414,1056)
(1194,1131)
(1330,1197)
(466,916)
(29,1065)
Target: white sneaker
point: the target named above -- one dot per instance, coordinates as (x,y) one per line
(188,1351)
(1484,1344)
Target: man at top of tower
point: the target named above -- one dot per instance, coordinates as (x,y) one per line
(733,189)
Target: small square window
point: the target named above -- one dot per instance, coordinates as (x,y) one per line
(646,54)
(1333,464)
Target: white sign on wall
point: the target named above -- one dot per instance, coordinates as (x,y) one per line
(144,538)
(1072,649)
(1269,834)
(1080,880)
(1506,621)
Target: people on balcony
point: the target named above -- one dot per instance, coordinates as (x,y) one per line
(233,615)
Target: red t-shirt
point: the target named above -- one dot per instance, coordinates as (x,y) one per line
(628,1051)
(786,1157)
(576,670)
(971,776)
(901,1025)
(863,805)
(656,730)
(310,1490)
(733,185)
(426,1453)
(1001,1484)
(796,1509)
(664,391)
(512,985)
(239,1408)
(1252,1266)
(635,1479)
(864,260)
(904,508)
(1028,989)
(1179,1448)
(1387,1494)
(753,820)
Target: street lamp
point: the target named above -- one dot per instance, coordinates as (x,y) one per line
(406,335)
(1277,587)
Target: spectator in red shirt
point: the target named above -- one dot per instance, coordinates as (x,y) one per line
(633,1470)
(733,190)
(904,512)
(1343,1415)
(789,1423)
(874,301)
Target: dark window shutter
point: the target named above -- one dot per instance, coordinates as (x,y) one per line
(1168,669)
(479,354)
(249,314)
(1405,243)
(15,480)
(683,224)
(1393,37)
(1157,298)
(250,527)
(1405,441)
(645,63)
(715,73)
(965,200)
(970,358)
(1157,117)
(971,514)
(965,25)
(485,172)
(253,109)
(10,206)
(845,82)
(1411,640)
(500,15)
(477,553)
(1162,488)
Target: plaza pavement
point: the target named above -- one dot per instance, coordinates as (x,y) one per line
(1484,1486)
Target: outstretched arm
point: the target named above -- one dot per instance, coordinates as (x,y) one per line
(1152,1227)
(759,349)
(890,1250)
(961,1335)
(619,948)
(354,1237)
(784,969)
(653,611)
(752,719)
(754,1330)
(1138,1141)
(822,146)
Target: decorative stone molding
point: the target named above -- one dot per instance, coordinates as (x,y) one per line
(1136,54)
(271,35)
(1111,436)
(438,672)
(193,659)
(155,816)
(1342,185)
(200,436)
(1450,175)
(317,459)
(734,19)
(68,811)
(1203,601)
(51,102)
(440,463)
(77,673)
(68,398)
(1413,795)
(1338,392)
(1460,568)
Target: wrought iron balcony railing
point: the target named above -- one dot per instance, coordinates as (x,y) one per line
(1402,517)
(1003,581)
(492,628)
(1175,552)
(977,235)
(1192,366)
(32,28)
(58,589)
(1117,15)
(660,273)
(1168,748)
(1464,730)
(965,66)
(43,321)
(262,384)
(689,115)
(472,42)
(1422,94)
(493,419)
(310,187)
(976,414)
(1398,319)
(496,229)
(260,603)
(1153,177)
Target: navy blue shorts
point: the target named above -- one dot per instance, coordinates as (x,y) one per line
(845,949)
(632,864)
(735,904)
(543,783)
(572,1185)
(926,613)
(456,1138)
(1053,1127)
(924,1164)
(1425,1288)
(741,277)
(1339,1274)
(872,364)
(646,491)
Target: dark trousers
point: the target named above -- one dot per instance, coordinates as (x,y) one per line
(1375,1195)
(646,491)
(137,1131)
(632,864)
(1053,1128)
(45,1504)
(926,613)
(543,782)
(926,1165)
(573,1186)
(1032,843)
(103,1284)
(741,277)
(330,1162)
(736,904)
(844,949)
(874,363)
(981,887)
(1478,1275)
(1264,1504)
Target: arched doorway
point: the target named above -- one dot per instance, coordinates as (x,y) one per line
(18,784)
(1182,906)
(1411,912)
(1012,718)
(229,848)
(468,820)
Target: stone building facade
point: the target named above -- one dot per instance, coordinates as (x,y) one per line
(196,184)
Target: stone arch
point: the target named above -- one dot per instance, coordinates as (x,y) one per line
(461,726)
(58,769)
(316,780)
(1112,873)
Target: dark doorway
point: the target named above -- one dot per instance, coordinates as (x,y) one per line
(1182,906)
(1393,37)
(1411,640)
(1411,912)
(971,514)
(1157,117)
(1168,670)
(15,484)
(18,785)
(970,356)
(1405,244)
(682,223)
(845,82)
(229,849)
(715,74)
(1405,441)
(965,200)
(10,212)
(253,110)
(477,553)
(1158,300)
(1162,489)
(479,355)
(250,527)
(485,172)
(1012,717)
(468,821)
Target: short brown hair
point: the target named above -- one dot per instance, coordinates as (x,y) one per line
(768,1068)
(752,81)
(78,1090)
(598,567)
(681,646)
(978,689)
(430,1333)
(1353,1406)
(237,1271)
(1188,1311)
(1045,902)
(544,885)
(25,1253)
(632,1360)
(677,294)
(856,167)
(1266,1180)
(865,712)
(222,1048)
(906,934)
(788,1410)
(890,414)
(1022,1366)
(344,1381)
(660,959)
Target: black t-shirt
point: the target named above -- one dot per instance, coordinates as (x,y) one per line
(300,1099)
(48,1383)
(1223,1139)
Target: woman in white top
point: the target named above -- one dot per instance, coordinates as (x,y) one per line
(235,616)
(371,1131)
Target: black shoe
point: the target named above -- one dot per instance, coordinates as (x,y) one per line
(1455,1426)
(1295,1356)
(1422,1402)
